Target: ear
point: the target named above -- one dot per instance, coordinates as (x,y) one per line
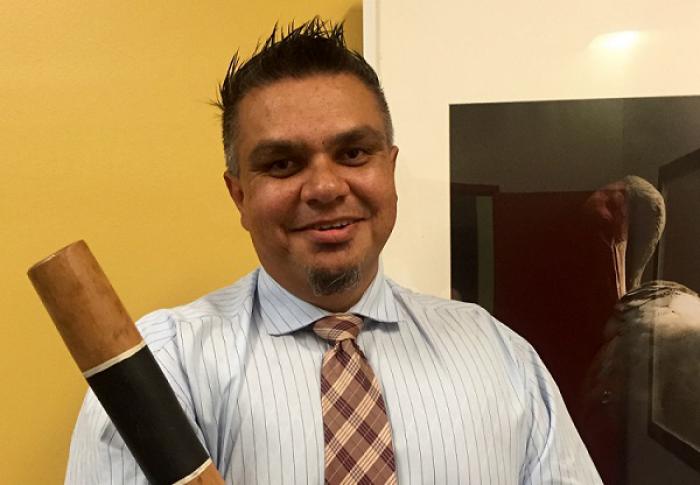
(235,190)
(393,153)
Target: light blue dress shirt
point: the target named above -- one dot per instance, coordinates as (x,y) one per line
(469,401)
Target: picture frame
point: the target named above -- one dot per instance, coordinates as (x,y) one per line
(674,395)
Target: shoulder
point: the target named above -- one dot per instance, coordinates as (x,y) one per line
(468,321)
(231,303)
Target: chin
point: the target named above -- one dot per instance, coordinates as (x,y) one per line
(325,280)
(332,268)
(332,262)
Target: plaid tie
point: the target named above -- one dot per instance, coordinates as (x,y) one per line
(355,426)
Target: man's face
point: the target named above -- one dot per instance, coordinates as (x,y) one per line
(316,181)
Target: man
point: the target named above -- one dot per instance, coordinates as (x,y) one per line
(453,395)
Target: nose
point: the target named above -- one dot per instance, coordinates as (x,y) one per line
(324,183)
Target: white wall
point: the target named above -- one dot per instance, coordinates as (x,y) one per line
(432,54)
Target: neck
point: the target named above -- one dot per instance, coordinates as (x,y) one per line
(336,302)
(339,302)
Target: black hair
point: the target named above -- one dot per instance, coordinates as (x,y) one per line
(315,47)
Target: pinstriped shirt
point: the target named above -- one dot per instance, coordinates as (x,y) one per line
(469,401)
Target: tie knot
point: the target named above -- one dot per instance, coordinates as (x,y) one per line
(336,328)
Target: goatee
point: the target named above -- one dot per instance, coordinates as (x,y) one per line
(325,282)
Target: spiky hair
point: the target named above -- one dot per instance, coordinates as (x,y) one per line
(315,47)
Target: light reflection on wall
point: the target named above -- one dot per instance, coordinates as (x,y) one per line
(618,42)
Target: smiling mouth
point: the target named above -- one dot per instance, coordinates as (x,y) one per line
(330,234)
(329,226)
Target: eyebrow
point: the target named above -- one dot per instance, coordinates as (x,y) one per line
(266,149)
(361,133)
(273,148)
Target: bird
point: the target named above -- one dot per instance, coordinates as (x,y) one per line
(654,325)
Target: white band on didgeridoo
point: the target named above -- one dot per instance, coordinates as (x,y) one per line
(194,474)
(114,360)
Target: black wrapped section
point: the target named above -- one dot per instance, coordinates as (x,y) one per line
(148,416)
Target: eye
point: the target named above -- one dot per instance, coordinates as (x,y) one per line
(283,168)
(354,156)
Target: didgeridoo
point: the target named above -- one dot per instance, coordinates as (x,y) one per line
(120,369)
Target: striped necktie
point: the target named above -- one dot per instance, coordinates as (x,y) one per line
(356,430)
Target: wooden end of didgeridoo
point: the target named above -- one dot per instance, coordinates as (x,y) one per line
(120,369)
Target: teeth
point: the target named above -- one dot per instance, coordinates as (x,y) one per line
(333,226)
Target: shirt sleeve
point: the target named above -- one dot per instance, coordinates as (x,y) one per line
(555,453)
(97,452)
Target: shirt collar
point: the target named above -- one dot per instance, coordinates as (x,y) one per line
(283,313)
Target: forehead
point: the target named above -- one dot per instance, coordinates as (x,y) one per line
(309,110)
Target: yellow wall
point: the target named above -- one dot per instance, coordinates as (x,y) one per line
(106,135)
